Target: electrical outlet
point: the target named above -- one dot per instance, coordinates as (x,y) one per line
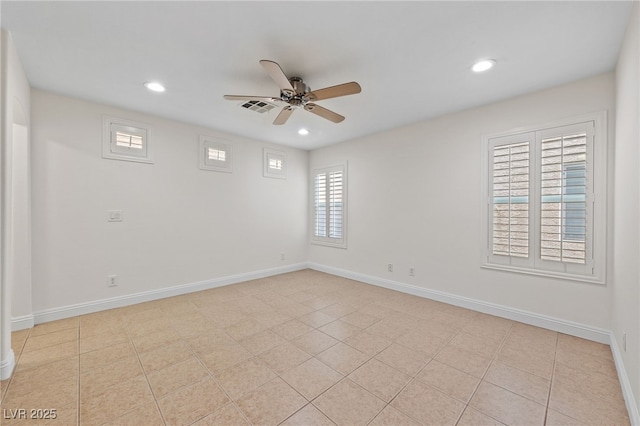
(282,256)
(624,342)
(390,267)
(112,280)
(412,272)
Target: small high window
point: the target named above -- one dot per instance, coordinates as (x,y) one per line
(126,140)
(275,164)
(215,154)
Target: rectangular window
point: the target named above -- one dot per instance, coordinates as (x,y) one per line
(215,154)
(545,188)
(275,164)
(126,140)
(329,206)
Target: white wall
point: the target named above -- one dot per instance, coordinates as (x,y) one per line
(625,305)
(15,244)
(181,224)
(414,201)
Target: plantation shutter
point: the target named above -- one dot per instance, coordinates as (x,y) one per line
(321,216)
(563,203)
(335,204)
(509,199)
(329,202)
(566,198)
(545,192)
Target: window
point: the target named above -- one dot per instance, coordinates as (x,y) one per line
(275,164)
(126,140)
(329,188)
(545,194)
(215,154)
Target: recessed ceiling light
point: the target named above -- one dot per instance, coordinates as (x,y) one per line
(154,86)
(483,65)
(303,132)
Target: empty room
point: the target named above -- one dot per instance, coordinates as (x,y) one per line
(320,213)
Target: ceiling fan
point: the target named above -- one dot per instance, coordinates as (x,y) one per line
(295,93)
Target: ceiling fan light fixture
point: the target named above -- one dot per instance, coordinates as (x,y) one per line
(484,65)
(303,132)
(154,86)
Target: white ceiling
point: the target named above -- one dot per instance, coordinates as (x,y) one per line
(412,59)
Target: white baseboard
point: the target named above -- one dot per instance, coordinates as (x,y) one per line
(22,323)
(627,391)
(538,320)
(7,366)
(148,296)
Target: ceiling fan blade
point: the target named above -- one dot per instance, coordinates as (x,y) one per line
(283,116)
(335,91)
(251,98)
(324,113)
(276,73)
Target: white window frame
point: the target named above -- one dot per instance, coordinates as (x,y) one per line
(273,155)
(327,240)
(594,270)
(205,163)
(110,150)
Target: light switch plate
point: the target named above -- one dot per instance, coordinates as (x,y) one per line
(114,216)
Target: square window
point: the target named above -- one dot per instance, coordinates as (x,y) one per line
(126,140)
(275,164)
(215,155)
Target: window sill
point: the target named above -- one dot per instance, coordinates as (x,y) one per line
(547,274)
(329,244)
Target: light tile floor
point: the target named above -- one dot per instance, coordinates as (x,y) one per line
(307,348)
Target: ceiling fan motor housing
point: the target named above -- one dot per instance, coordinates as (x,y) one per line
(297,98)
(299,86)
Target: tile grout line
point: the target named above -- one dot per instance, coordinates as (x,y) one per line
(144,373)
(211,375)
(78,382)
(553,373)
(493,358)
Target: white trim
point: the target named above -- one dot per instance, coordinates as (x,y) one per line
(556,324)
(627,391)
(22,323)
(7,366)
(148,296)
